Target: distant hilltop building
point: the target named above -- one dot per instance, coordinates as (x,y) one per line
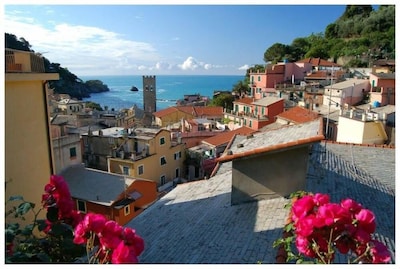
(149,99)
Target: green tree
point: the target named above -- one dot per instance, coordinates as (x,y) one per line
(240,88)
(225,100)
(94,105)
(276,53)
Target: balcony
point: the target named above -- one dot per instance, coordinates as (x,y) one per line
(229,113)
(17,61)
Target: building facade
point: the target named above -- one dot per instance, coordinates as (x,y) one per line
(28,153)
(149,154)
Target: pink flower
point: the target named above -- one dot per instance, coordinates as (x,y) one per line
(379,252)
(366,220)
(123,254)
(80,234)
(132,239)
(304,226)
(304,246)
(321,199)
(351,205)
(111,235)
(330,213)
(94,222)
(303,206)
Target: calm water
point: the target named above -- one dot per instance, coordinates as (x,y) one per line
(168,89)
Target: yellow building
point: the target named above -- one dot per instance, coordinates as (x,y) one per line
(28,150)
(151,154)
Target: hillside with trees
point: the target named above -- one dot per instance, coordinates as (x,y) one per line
(68,83)
(356,39)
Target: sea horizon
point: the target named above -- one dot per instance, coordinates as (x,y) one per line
(169,88)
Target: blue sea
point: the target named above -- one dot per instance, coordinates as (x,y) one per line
(169,89)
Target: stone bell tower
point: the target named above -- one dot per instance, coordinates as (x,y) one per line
(149,99)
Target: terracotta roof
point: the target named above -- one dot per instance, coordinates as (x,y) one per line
(276,69)
(273,140)
(199,111)
(322,74)
(318,62)
(245,100)
(225,137)
(298,114)
(165,112)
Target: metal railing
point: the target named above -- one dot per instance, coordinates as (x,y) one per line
(17,61)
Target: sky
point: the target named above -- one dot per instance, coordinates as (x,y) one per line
(174,38)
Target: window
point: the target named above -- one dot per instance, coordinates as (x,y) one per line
(177,155)
(127,210)
(81,206)
(125,170)
(140,170)
(162,180)
(162,140)
(72,153)
(259,78)
(163,161)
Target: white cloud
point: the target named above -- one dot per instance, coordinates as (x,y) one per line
(87,50)
(81,47)
(244,67)
(189,64)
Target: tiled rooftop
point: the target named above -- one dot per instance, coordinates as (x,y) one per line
(225,137)
(94,183)
(298,114)
(195,223)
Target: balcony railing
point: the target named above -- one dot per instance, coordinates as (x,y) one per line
(17,61)
(243,114)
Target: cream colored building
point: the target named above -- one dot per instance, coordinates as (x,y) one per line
(28,151)
(360,127)
(150,154)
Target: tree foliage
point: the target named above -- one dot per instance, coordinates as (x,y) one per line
(225,100)
(361,32)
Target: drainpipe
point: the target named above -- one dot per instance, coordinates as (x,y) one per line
(49,144)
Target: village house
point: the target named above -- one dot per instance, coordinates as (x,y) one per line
(172,115)
(71,106)
(29,159)
(119,198)
(361,127)
(147,153)
(66,146)
(322,71)
(253,113)
(383,87)
(202,157)
(346,93)
(193,131)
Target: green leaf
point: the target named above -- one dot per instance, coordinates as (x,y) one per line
(27,230)
(16,198)
(10,235)
(23,208)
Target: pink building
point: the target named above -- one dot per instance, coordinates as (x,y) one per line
(382,88)
(255,113)
(262,83)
